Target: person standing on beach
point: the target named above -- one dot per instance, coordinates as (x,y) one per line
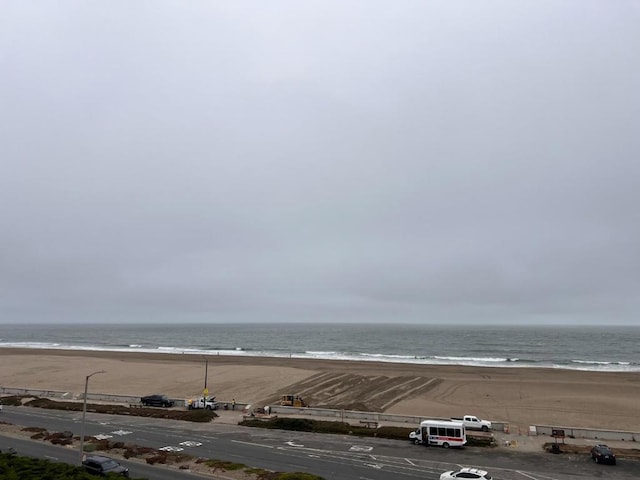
(233,404)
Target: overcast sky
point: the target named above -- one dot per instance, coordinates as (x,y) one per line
(336,161)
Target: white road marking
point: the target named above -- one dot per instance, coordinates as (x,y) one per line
(102,436)
(373,465)
(360,448)
(169,448)
(291,444)
(121,432)
(190,443)
(527,475)
(254,444)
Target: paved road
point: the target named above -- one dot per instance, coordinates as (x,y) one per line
(334,457)
(65,455)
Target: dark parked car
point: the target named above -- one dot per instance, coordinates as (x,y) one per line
(603,454)
(99,465)
(157,401)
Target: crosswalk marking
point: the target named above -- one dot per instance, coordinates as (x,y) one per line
(169,448)
(190,443)
(361,448)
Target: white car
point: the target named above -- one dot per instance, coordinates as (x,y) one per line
(466,473)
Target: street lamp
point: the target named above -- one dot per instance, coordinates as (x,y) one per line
(205,391)
(84,411)
(206,370)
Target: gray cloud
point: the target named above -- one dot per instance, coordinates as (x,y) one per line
(321,161)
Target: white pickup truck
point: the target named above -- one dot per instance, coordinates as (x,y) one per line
(208,403)
(472,422)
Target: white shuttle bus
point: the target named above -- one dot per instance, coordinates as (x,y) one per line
(440,432)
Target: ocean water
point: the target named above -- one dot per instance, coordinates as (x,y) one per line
(579,348)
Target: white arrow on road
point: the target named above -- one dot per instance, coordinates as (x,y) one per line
(361,448)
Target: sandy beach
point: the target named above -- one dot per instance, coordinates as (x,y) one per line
(519,396)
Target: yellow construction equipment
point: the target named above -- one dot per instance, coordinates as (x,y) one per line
(293,401)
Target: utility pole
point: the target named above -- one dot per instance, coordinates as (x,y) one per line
(206,374)
(84,412)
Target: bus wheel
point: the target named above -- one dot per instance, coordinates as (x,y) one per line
(416,442)
(445,445)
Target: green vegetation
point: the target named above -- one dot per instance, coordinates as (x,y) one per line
(317,426)
(24,470)
(139,411)
(14,467)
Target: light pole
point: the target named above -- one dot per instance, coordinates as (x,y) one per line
(84,412)
(205,391)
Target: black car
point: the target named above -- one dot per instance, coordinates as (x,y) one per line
(157,401)
(99,465)
(603,454)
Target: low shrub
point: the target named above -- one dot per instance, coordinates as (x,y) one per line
(13,400)
(161,457)
(15,467)
(185,415)
(223,465)
(317,426)
(34,429)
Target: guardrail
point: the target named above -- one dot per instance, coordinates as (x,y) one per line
(591,433)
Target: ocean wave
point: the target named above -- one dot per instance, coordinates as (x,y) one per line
(595,362)
(392,356)
(471,361)
(42,345)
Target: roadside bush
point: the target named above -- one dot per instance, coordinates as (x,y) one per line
(13,400)
(136,451)
(317,426)
(14,467)
(185,415)
(480,441)
(161,457)
(34,429)
(223,465)
(100,445)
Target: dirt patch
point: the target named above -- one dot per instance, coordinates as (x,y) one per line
(350,391)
